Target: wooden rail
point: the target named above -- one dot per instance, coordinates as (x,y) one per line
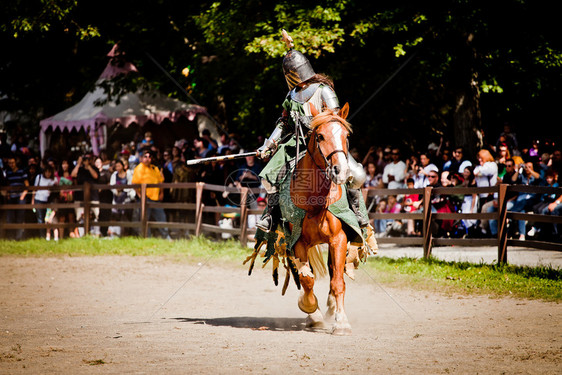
(427,240)
(199,221)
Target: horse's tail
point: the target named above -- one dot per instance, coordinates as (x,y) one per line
(316,261)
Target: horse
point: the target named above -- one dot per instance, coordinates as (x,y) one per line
(317,183)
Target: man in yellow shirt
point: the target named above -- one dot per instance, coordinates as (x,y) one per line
(147,173)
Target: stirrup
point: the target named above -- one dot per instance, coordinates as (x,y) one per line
(371,240)
(265,223)
(352,260)
(369,246)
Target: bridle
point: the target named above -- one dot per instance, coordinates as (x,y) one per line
(327,164)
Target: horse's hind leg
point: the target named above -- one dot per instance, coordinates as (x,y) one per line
(338,248)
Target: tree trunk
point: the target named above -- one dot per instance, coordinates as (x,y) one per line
(467,120)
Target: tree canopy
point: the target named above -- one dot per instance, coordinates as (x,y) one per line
(412,71)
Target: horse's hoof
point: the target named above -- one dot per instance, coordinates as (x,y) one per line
(308,309)
(315,322)
(341,331)
(314,325)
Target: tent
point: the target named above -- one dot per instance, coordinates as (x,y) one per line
(139,107)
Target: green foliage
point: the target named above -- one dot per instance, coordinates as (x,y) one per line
(547,57)
(492,87)
(314,30)
(234,50)
(118,86)
(50,15)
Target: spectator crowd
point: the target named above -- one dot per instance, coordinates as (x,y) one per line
(505,161)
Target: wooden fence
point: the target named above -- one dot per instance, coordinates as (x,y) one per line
(427,240)
(193,214)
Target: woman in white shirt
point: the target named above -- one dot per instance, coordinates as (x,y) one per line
(486,173)
(121,176)
(47,178)
(470,202)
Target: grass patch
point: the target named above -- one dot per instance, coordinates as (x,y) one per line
(543,283)
(195,248)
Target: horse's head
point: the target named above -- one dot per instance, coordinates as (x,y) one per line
(329,142)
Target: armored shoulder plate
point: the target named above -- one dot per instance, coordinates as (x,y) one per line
(330,98)
(303,96)
(322,96)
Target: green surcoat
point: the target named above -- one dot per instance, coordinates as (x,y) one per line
(287,150)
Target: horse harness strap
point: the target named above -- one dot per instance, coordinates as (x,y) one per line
(298,131)
(327,158)
(300,134)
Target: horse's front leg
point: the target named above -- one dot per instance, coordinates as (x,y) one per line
(338,249)
(308,302)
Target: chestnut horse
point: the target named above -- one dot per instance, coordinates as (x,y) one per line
(316,185)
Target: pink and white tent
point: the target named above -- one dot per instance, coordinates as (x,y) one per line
(138,107)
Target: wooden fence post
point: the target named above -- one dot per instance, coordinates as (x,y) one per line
(243,216)
(199,206)
(87,197)
(427,238)
(143,218)
(199,221)
(502,224)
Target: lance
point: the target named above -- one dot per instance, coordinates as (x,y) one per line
(220,158)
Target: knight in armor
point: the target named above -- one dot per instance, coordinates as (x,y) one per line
(305,87)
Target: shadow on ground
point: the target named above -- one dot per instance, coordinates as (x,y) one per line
(252,322)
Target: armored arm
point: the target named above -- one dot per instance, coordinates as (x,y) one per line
(270,145)
(358,175)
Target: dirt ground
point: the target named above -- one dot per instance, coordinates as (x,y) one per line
(135,315)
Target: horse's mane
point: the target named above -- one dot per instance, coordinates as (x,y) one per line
(329,115)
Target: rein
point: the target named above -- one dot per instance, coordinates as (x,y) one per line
(328,164)
(326,161)
(300,134)
(323,170)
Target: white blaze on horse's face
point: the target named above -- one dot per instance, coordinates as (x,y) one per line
(337,168)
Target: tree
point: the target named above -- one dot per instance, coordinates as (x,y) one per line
(465,50)
(475,64)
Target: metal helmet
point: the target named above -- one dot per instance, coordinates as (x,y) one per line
(296,68)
